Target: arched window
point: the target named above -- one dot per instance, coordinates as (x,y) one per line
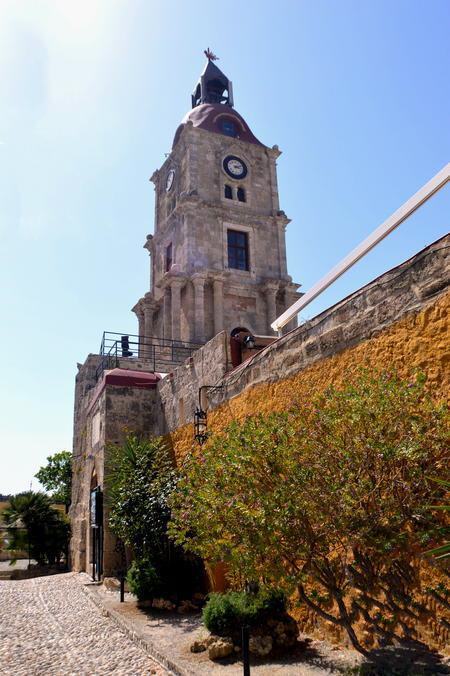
(228,127)
(216,91)
(228,192)
(241,195)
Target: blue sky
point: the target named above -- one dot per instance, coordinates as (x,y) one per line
(355,94)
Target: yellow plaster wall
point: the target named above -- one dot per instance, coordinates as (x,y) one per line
(419,341)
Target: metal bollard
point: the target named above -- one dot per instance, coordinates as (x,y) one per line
(122,588)
(245,650)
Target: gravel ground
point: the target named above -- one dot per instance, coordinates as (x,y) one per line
(48,627)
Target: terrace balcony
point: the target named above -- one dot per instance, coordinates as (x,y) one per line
(154,355)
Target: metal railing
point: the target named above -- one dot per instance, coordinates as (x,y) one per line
(157,354)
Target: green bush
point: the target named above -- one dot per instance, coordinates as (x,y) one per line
(34,526)
(340,481)
(143,580)
(224,614)
(140,477)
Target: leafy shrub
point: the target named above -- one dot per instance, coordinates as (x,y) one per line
(34,526)
(140,477)
(224,614)
(272,601)
(331,495)
(144,580)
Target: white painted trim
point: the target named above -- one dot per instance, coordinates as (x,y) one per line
(420,197)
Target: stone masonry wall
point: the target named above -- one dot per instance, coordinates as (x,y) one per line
(85,382)
(178,392)
(399,321)
(128,409)
(101,419)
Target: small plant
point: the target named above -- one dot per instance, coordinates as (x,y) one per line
(143,580)
(224,614)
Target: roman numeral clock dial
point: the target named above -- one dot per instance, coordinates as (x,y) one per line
(235,167)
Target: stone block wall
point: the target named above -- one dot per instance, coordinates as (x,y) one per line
(178,392)
(400,321)
(103,416)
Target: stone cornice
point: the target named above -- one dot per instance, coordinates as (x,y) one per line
(190,202)
(271,285)
(292,287)
(138,309)
(274,152)
(173,276)
(199,277)
(281,217)
(149,302)
(216,275)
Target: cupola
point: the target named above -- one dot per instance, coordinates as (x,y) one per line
(213,86)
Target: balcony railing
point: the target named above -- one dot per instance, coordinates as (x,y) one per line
(153,354)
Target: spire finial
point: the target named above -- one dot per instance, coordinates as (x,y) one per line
(210,55)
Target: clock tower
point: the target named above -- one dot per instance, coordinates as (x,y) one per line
(218,254)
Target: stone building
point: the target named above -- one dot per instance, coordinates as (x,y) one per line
(218,254)
(217,264)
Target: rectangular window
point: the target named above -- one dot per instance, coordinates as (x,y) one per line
(228,192)
(228,128)
(237,250)
(169,260)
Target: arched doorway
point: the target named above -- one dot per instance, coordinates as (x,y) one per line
(237,336)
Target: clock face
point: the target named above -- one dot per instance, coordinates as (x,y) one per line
(169,180)
(235,167)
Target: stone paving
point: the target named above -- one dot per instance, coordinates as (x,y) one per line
(171,635)
(48,627)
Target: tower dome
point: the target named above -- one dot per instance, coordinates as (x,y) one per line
(212,106)
(220,119)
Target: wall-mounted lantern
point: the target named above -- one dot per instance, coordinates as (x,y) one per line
(200,416)
(200,426)
(249,342)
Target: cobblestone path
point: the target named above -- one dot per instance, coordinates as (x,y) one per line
(48,627)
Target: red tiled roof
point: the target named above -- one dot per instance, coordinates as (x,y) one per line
(129,378)
(124,378)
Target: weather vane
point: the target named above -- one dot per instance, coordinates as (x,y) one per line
(210,55)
